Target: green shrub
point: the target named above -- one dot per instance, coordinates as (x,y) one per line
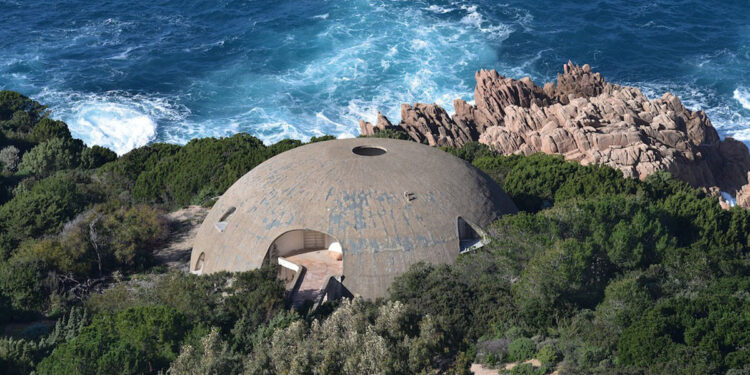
(492,352)
(712,324)
(140,340)
(128,236)
(20,123)
(43,209)
(322,138)
(549,356)
(211,356)
(47,129)
(204,167)
(526,369)
(125,170)
(22,281)
(392,134)
(624,302)
(354,340)
(9,158)
(55,255)
(17,356)
(220,299)
(53,155)
(521,349)
(12,102)
(96,156)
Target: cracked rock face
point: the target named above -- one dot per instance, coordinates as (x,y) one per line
(587,119)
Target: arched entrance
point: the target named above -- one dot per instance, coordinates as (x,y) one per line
(310,263)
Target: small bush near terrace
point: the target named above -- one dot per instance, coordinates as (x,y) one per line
(597,274)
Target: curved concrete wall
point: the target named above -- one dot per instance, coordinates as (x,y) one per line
(387,210)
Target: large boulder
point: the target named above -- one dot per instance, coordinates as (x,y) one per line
(584,118)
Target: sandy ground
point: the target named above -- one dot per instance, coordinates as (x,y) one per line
(184,224)
(478,369)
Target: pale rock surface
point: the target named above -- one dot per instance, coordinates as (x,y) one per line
(586,119)
(743,196)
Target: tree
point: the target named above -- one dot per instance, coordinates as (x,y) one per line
(50,156)
(354,339)
(140,340)
(12,102)
(42,210)
(47,129)
(22,282)
(9,159)
(211,357)
(96,156)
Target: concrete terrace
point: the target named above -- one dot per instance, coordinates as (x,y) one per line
(319,267)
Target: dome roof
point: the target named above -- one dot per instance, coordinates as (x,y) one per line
(389,203)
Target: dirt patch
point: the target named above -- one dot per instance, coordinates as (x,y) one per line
(184,224)
(478,369)
(534,362)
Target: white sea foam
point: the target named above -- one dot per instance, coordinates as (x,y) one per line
(742,95)
(116,120)
(729,198)
(438,9)
(114,125)
(475,18)
(742,135)
(418,55)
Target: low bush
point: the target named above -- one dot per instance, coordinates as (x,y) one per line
(521,349)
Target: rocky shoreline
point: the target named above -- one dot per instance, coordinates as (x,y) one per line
(587,119)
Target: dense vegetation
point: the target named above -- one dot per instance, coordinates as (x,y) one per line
(596,274)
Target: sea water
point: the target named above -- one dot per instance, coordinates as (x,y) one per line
(123,73)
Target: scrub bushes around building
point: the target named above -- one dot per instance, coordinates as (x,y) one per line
(593,266)
(611,275)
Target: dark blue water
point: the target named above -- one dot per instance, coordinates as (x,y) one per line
(123,73)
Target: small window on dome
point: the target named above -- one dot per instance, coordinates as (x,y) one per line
(222,224)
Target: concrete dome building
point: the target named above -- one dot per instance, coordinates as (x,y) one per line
(357,212)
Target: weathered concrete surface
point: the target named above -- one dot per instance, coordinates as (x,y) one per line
(387,211)
(319,268)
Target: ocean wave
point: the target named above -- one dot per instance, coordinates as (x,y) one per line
(742,135)
(475,18)
(742,95)
(438,9)
(114,119)
(729,198)
(416,56)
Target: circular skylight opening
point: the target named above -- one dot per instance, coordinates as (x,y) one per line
(369,150)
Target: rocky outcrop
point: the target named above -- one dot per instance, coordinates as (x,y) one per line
(366,128)
(743,195)
(587,119)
